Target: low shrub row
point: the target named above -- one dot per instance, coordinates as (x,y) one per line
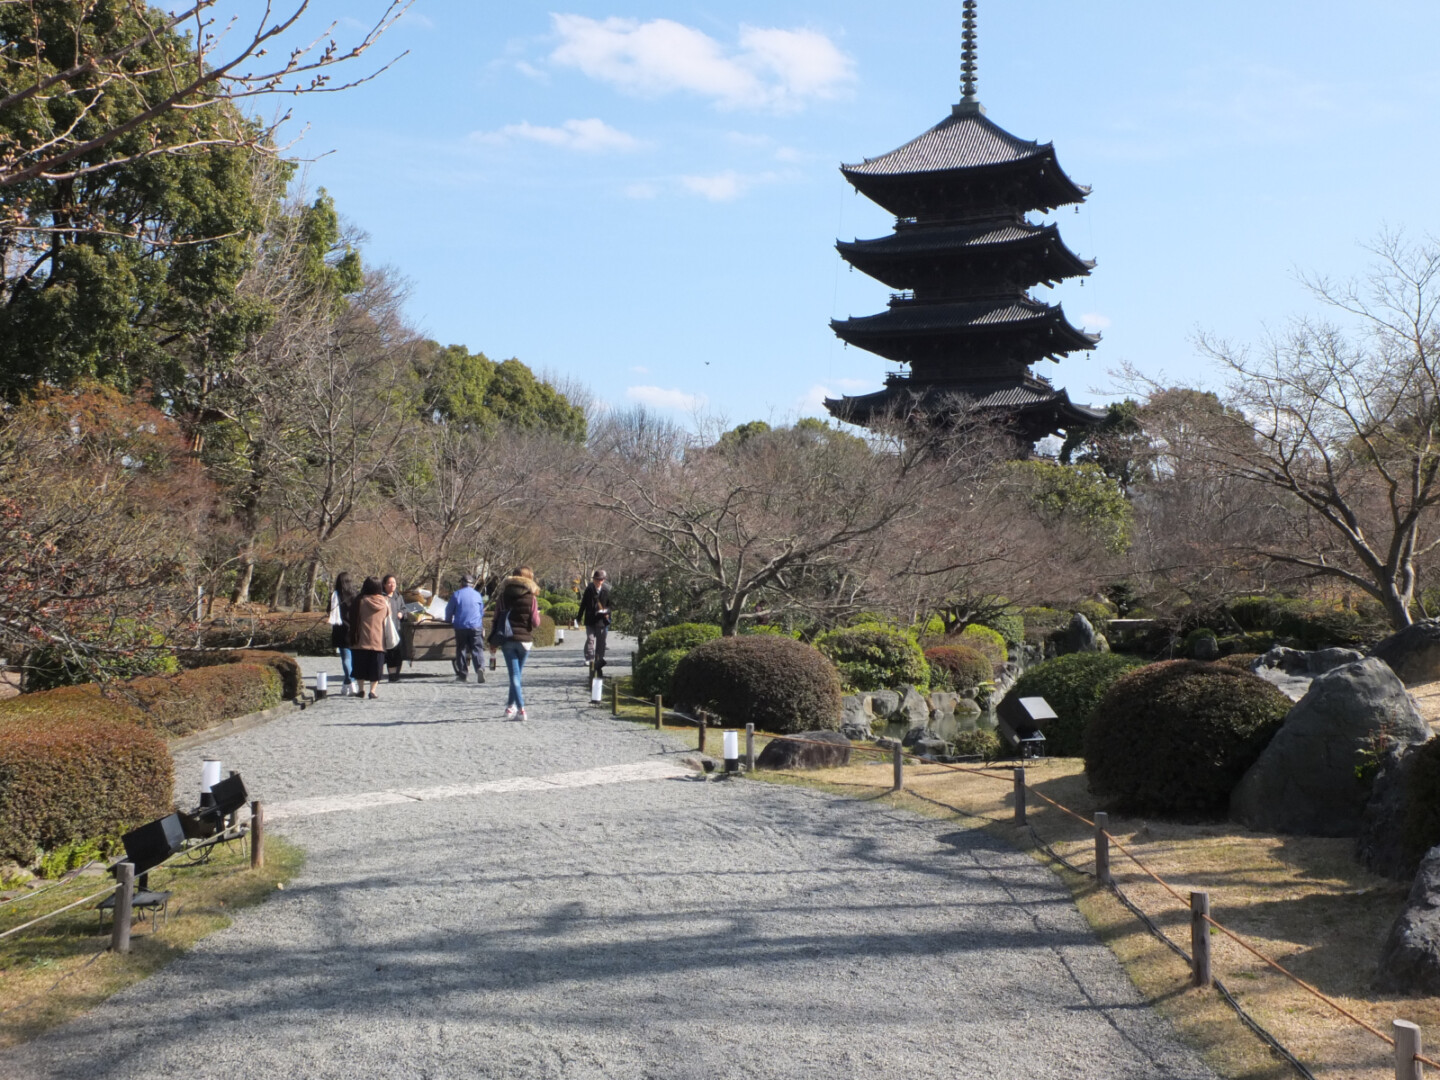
(67,779)
(776,683)
(683,636)
(286,666)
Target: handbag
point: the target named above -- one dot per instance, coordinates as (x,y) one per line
(500,631)
(390,635)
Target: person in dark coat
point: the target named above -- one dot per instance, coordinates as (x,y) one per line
(342,603)
(390,589)
(367,639)
(595,614)
(516,600)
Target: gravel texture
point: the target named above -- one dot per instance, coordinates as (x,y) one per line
(653,928)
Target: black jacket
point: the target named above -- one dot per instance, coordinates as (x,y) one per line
(592,603)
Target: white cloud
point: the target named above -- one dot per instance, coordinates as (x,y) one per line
(813,401)
(1092,321)
(660,398)
(587,136)
(530,71)
(721,187)
(774,69)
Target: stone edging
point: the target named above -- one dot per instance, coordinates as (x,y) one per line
(243,723)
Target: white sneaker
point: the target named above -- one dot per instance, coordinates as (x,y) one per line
(520,715)
(346,691)
(510,712)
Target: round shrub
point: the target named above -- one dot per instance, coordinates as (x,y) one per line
(1175,737)
(654,673)
(543,634)
(1072,685)
(1194,638)
(776,683)
(980,741)
(987,642)
(685,635)
(1241,660)
(957,667)
(875,658)
(564,611)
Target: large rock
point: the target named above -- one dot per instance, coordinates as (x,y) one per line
(943,704)
(1413,653)
(914,709)
(855,716)
(1380,847)
(1205,648)
(884,703)
(1080,636)
(807,750)
(1322,660)
(1304,782)
(1410,960)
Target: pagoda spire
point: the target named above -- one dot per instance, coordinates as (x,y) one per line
(968,66)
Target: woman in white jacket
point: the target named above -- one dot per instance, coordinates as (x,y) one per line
(342,603)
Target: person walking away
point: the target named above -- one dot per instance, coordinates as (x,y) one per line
(342,603)
(390,589)
(465,611)
(367,640)
(517,603)
(595,616)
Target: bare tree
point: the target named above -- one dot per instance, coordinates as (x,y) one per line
(1343,431)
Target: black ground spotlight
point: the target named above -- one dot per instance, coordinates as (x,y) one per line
(150,845)
(1020,724)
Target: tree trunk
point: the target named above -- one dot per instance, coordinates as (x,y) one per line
(241,595)
(312,575)
(730,617)
(277,599)
(1397,606)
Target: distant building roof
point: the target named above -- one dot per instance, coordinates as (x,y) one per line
(1041,410)
(965,139)
(894,332)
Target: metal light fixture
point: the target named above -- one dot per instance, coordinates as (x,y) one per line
(1022,729)
(150,845)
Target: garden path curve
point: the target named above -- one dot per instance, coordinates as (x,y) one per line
(560,899)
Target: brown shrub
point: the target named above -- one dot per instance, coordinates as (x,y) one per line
(291,678)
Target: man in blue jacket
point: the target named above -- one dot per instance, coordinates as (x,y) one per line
(465,611)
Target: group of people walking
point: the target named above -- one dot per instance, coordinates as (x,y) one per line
(365,630)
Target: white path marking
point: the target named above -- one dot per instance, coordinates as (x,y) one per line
(364,800)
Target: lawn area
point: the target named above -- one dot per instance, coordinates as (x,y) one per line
(59,969)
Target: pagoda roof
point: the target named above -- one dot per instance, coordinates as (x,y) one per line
(966,143)
(964,240)
(892,332)
(1038,406)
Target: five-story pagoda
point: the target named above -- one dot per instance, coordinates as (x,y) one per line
(964,257)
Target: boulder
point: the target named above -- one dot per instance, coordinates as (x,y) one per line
(1410,960)
(856,732)
(1286,669)
(932,747)
(1205,648)
(1080,636)
(1304,782)
(914,710)
(943,704)
(1322,660)
(1380,847)
(855,713)
(884,703)
(1413,653)
(807,750)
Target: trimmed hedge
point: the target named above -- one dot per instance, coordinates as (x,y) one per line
(176,705)
(958,667)
(653,674)
(1175,737)
(564,611)
(64,780)
(1073,686)
(776,683)
(987,642)
(681,636)
(291,678)
(875,658)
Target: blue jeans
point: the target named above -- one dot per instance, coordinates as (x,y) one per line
(347,673)
(514,654)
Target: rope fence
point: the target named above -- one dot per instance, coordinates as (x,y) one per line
(1406,1038)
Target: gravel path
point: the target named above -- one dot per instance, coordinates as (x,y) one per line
(627,923)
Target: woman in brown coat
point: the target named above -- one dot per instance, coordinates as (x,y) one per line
(367,628)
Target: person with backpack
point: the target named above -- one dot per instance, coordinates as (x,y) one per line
(517,614)
(594,615)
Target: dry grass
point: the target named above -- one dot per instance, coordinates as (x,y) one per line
(1303,901)
(66,948)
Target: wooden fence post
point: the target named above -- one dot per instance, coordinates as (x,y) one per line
(749,747)
(899,767)
(659,713)
(1102,848)
(614,698)
(1407,1049)
(257,835)
(1200,936)
(1020,796)
(701,725)
(124,894)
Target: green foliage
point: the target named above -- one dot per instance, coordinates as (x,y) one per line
(955,667)
(1079,493)
(75,854)
(980,741)
(1254,643)
(682,636)
(1175,737)
(653,673)
(51,667)
(1118,445)
(564,611)
(1073,685)
(1193,639)
(1041,622)
(544,634)
(470,390)
(988,642)
(769,628)
(778,684)
(67,780)
(1309,624)
(933,627)
(1009,624)
(875,658)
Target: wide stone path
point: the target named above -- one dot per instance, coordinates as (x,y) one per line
(559,898)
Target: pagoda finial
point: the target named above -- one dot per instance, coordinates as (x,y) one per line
(967,56)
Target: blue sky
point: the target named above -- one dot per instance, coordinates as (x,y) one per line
(645,196)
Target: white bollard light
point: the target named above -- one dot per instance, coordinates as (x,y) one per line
(559,635)
(731,751)
(209,777)
(322,684)
(597,691)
